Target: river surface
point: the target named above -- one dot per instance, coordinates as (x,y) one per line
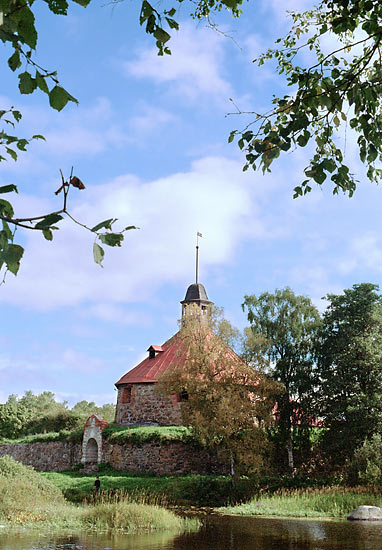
(220,533)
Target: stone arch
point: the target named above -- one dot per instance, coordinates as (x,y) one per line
(91,451)
(92,440)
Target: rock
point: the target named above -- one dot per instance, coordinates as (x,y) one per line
(369,513)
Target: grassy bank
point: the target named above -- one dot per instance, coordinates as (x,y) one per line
(115,434)
(335,502)
(144,434)
(64,435)
(190,490)
(28,499)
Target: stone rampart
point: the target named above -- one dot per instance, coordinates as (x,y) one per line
(169,458)
(52,456)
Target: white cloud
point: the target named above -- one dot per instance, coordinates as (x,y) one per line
(73,359)
(194,69)
(365,251)
(214,197)
(150,118)
(114,314)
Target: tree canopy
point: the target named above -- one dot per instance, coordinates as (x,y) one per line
(228,404)
(39,413)
(289,325)
(330,92)
(349,366)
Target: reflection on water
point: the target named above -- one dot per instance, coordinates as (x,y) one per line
(221,533)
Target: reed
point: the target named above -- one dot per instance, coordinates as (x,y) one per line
(336,502)
(131,516)
(29,500)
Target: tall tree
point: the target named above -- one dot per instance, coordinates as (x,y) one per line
(225,401)
(289,323)
(350,367)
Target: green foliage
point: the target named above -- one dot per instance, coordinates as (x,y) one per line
(230,404)
(195,490)
(13,419)
(285,327)
(18,31)
(342,88)
(25,496)
(229,334)
(144,434)
(62,435)
(64,421)
(84,409)
(76,486)
(366,465)
(216,490)
(121,510)
(38,414)
(349,361)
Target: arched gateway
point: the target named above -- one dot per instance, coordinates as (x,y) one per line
(92,440)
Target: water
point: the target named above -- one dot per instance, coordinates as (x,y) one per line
(220,533)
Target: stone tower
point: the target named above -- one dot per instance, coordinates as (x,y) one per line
(137,402)
(196,302)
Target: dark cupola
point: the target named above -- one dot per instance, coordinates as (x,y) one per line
(196,302)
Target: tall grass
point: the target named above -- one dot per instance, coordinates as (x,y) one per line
(27,499)
(132,512)
(335,502)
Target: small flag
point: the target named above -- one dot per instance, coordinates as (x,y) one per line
(199,234)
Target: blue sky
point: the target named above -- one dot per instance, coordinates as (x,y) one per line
(149,140)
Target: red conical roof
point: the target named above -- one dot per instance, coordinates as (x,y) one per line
(170,354)
(149,370)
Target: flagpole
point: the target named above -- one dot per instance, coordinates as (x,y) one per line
(197,254)
(197,257)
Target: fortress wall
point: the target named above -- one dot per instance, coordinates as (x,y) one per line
(53,456)
(170,458)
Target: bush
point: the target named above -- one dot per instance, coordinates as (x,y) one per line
(25,495)
(213,490)
(366,465)
(54,422)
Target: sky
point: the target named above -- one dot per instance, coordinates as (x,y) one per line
(149,139)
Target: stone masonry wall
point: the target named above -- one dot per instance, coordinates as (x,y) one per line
(53,456)
(167,458)
(147,407)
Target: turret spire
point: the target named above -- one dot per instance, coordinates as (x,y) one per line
(196,301)
(197,256)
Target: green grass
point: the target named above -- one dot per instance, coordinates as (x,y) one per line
(114,434)
(335,502)
(132,512)
(76,486)
(193,489)
(144,434)
(28,499)
(63,435)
